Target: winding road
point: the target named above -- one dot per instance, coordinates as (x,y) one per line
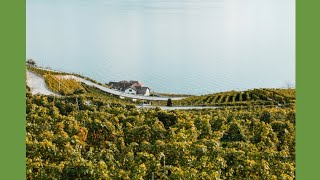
(178,107)
(38,85)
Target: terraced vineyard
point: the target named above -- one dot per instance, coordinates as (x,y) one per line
(266,97)
(241,98)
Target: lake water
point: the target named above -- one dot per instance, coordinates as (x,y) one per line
(173,46)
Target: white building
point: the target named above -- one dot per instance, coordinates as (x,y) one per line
(130,90)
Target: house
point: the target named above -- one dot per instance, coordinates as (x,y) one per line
(144,91)
(130,87)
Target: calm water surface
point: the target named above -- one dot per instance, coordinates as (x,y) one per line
(175,46)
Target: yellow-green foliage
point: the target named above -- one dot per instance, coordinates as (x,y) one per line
(79,138)
(268,97)
(289,93)
(66,87)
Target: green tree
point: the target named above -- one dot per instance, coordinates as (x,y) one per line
(169,102)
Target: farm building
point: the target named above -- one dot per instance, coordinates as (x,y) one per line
(130,87)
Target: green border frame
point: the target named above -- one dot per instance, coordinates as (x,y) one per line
(12,104)
(12,133)
(308,88)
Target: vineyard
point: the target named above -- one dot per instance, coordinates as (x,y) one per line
(90,134)
(263,96)
(99,136)
(241,98)
(63,86)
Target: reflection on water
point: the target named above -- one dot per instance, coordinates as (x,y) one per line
(177,46)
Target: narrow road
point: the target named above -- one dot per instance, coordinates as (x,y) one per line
(37,84)
(178,107)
